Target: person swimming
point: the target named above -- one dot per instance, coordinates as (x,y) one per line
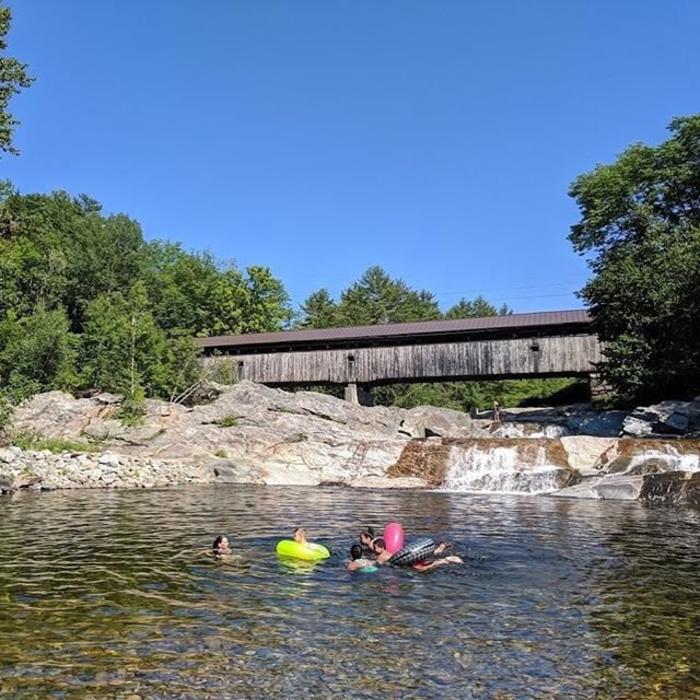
(221,547)
(357,561)
(367,537)
(300,536)
(381,553)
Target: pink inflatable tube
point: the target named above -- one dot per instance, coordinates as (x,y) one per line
(393,537)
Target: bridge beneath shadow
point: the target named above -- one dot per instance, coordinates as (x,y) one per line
(516,346)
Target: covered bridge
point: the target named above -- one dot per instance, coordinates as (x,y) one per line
(542,344)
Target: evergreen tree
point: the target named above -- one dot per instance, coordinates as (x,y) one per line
(319,311)
(376,298)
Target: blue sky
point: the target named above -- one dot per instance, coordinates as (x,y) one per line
(435,138)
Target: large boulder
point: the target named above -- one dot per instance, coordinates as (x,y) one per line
(428,421)
(666,418)
(586,454)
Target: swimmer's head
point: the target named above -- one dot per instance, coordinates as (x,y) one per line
(366,536)
(355,552)
(299,534)
(221,545)
(378,546)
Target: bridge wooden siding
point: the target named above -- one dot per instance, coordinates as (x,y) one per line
(542,344)
(486,359)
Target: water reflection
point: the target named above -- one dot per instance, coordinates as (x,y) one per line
(110,593)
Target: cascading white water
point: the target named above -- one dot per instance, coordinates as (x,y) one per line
(512,429)
(672,459)
(501,470)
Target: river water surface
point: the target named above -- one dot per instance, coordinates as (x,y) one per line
(108,594)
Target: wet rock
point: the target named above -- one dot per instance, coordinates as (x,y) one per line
(422,459)
(672,488)
(615,487)
(637,426)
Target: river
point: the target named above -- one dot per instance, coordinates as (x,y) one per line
(109,594)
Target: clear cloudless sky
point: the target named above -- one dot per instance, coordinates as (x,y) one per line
(436,138)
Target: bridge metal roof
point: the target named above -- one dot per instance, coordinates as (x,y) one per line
(319,336)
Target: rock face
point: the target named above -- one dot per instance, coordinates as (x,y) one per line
(255,434)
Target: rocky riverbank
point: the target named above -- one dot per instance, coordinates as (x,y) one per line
(254,434)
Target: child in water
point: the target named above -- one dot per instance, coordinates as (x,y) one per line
(356,560)
(221,547)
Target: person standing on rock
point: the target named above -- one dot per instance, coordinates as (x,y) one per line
(496,412)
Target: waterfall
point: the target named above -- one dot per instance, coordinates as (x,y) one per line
(670,460)
(503,469)
(512,429)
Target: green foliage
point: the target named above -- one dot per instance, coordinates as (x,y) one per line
(132,412)
(377,298)
(60,251)
(37,352)
(222,370)
(193,292)
(13,78)
(477,308)
(319,311)
(6,412)
(29,441)
(86,303)
(640,228)
(228,421)
(267,303)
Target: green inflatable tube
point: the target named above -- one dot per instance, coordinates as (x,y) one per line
(306,552)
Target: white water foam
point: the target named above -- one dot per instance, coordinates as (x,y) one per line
(673,459)
(500,470)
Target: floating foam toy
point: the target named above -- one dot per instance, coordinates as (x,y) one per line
(393,537)
(418,550)
(306,551)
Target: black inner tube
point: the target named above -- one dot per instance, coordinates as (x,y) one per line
(418,550)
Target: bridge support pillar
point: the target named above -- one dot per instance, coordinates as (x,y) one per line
(358,394)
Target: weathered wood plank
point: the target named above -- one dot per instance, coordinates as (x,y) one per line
(519,357)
